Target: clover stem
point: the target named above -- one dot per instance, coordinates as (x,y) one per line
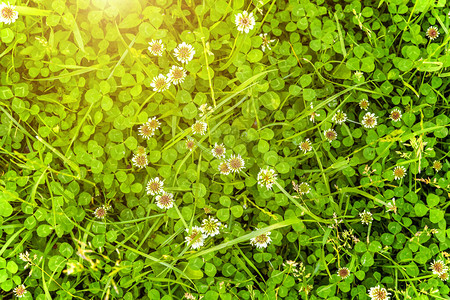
(368,232)
(306,211)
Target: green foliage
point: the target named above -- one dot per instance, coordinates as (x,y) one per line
(77,89)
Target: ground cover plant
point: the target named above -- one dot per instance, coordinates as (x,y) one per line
(224,149)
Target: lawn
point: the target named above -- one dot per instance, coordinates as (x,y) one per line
(217,149)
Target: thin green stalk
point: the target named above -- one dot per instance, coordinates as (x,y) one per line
(309,213)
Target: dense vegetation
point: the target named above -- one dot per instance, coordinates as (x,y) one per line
(224,149)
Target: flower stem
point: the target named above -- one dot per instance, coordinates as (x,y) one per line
(306,211)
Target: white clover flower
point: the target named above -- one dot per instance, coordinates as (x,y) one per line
(391,206)
(236,163)
(218,151)
(195,238)
(305,146)
(199,128)
(303,188)
(437,165)
(141,150)
(396,115)
(265,42)
(139,160)
(71,266)
(20,291)
(190,144)
(204,108)
(343,272)
(290,264)
(156,47)
(358,74)
(438,267)
(25,256)
(261,241)
(210,227)
(432,32)
(444,276)
(184,53)
(176,75)
(399,172)
(330,135)
(146,131)
(8,14)
(224,168)
(153,123)
(101,212)
(244,21)
(160,83)
(189,296)
(339,118)
(155,186)
(313,115)
(364,104)
(165,200)
(378,293)
(369,120)
(366,217)
(267,177)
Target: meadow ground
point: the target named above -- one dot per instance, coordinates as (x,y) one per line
(214,149)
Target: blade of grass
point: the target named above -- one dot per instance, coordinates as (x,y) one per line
(70,163)
(307,113)
(10,47)
(10,240)
(124,54)
(76,31)
(35,186)
(32,11)
(67,75)
(207,63)
(77,130)
(324,176)
(245,238)
(187,131)
(341,37)
(250,263)
(316,218)
(49,98)
(145,255)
